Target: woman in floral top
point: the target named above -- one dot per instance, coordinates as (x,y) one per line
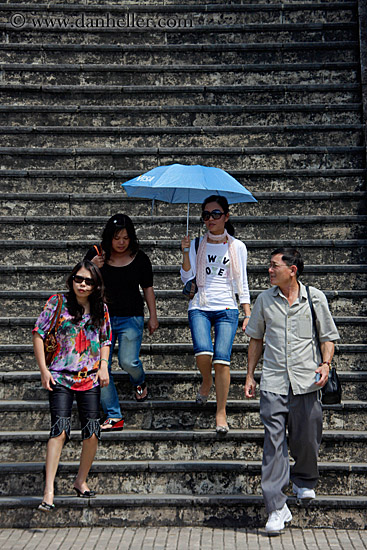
(78,369)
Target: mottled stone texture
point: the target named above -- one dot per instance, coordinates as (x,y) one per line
(175,477)
(273,92)
(362,13)
(210,512)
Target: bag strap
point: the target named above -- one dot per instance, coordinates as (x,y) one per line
(313,319)
(197,239)
(56,315)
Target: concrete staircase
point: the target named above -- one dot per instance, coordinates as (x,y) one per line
(276,94)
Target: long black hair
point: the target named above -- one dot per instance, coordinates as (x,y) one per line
(113,227)
(222,201)
(96,298)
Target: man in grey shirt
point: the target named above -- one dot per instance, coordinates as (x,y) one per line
(292,375)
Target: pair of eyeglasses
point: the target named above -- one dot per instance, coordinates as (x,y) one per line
(215,214)
(277,266)
(79,279)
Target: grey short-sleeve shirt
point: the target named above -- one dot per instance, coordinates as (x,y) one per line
(291,355)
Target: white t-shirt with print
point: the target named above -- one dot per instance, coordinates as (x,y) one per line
(218,286)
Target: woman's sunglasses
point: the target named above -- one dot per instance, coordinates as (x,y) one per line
(79,279)
(215,214)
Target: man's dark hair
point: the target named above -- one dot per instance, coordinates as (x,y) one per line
(291,256)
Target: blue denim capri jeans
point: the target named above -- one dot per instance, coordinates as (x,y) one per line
(225,323)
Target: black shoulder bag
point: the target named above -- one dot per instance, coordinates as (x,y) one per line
(191,288)
(331,393)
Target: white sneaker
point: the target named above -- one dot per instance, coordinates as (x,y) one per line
(276,520)
(303,493)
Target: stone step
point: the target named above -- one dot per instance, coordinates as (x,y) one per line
(165,252)
(172,330)
(183,53)
(179,74)
(225,118)
(255,227)
(336,277)
(204,477)
(163,385)
(110,70)
(336,446)
(288,95)
(100,204)
(177,415)
(182,31)
(198,4)
(107,181)
(158,510)
(192,136)
(119,158)
(17,330)
(215,5)
(162,17)
(158,356)
(30,303)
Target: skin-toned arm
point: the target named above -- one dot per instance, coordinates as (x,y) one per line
(150,300)
(255,350)
(39,353)
(103,375)
(245,291)
(247,312)
(327,352)
(185,243)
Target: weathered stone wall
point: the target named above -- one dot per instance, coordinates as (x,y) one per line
(270,91)
(362,15)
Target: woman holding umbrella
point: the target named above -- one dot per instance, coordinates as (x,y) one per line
(219,265)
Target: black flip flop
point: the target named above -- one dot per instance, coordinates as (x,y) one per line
(44,507)
(86,494)
(139,390)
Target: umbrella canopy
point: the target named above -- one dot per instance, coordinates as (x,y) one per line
(180,183)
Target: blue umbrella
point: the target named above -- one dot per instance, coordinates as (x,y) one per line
(180,183)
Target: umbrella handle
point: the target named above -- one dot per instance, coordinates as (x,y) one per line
(187,220)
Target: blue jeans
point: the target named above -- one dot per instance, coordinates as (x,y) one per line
(225,323)
(129,333)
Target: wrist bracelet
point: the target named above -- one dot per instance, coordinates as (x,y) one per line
(247,317)
(328,363)
(186,249)
(103,360)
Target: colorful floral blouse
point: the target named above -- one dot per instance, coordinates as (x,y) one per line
(78,350)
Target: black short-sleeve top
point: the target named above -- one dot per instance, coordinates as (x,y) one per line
(122,284)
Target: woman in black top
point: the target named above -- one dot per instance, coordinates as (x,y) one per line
(125,269)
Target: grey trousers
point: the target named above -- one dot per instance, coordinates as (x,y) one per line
(303,414)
